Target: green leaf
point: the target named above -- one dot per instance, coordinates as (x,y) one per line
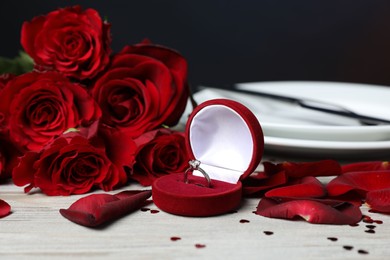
(18,65)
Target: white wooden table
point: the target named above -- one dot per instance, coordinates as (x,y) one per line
(35,229)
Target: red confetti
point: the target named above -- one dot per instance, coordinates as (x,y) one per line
(200,245)
(175,238)
(348,247)
(361,251)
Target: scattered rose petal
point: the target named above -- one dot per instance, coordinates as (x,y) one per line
(379,200)
(365,166)
(255,184)
(308,187)
(268,233)
(359,182)
(299,170)
(244,221)
(312,211)
(154,211)
(370,231)
(334,239)
(97,209)
(5,208)
(145,209)
(361,251)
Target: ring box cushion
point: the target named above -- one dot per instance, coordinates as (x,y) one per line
(227,139)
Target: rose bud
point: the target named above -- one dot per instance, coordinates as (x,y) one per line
(72,41)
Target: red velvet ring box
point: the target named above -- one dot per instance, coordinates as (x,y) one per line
(228,141)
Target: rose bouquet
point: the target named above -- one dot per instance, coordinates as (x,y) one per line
(85,117)
(76,117)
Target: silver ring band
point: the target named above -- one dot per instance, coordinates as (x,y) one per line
(194,166)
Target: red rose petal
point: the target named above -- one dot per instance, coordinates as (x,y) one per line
(359,182)
(308,187)
(97,209)
(299,170)
(379,200)
(5,208)
(23,173)
(254,184)
(312,211)
(315,169)
(365,166)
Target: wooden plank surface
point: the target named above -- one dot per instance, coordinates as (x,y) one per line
(35,229)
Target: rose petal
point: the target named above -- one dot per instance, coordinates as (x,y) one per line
(379,200)
(312,211)
(307,187)
(97,209)
(255,184)
(5,208)
(315,169)
(23,174)
(359,182)
(365,166)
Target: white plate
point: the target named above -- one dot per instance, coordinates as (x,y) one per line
(289,121)
(328,149)
(293,130)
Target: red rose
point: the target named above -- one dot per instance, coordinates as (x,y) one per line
(37,107)
(159,152)
(69,165)
(144,87)
(70,40)
(4,78)
(8,157)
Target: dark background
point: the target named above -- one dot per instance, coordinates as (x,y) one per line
(240,41)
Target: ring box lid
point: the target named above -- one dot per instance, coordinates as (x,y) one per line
(226,138)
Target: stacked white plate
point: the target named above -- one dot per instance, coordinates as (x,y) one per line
(292,130)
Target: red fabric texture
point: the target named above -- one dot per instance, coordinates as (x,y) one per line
(172,195)
(251,121)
